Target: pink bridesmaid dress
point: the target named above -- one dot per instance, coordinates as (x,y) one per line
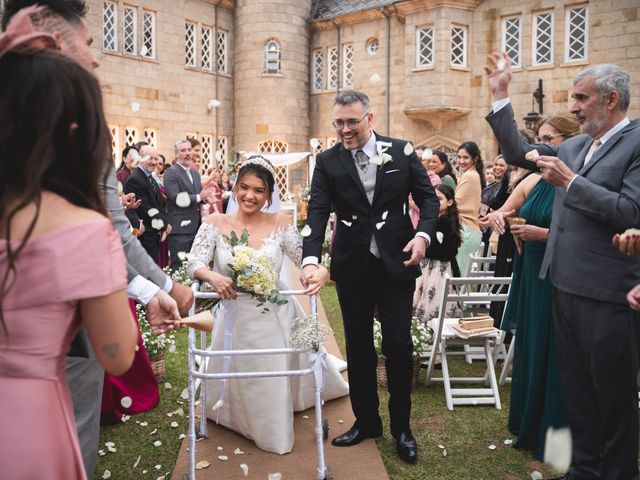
(38,437)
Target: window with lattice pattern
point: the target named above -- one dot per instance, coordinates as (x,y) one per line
(331,141)
(512,39)
(222,43)
(109,26)
(272,57)
(451,155)
(130,136)
(347,66)
(577,34)
(424,47)
(223,149)
(151,136)
(206,48)
(318,70)
(114,130)
(130,29)
(273,146)
(372,46)
(190,44)
(148,34)
(332,68)
(459,46)
(206,155)
(319,147)
(543,38)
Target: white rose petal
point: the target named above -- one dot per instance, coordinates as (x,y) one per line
(183,200)
(408,149)
(157,224)
(508,441)
(179,411)
(444,452)
(137,461)
(245,469)
(182,255)
(492,447)
(106,474)
(557,449)
(167,386)
(536,475)
(181,436)
(223,458)
(375,78)
(501,64)
(379,225)
(220,448)
(340,421)
(172,348)
(237,451)
(185,394)
(170,414)
(136,348)
(144,424)
(275,476)
(306,231)
(126,402)
(305,416)
(161,477)
(439,237)
(145,471)
(218,404)
(174,424)
(144,50)
(385,214)
(109,444)
(158,467)
(441,447)
(404,209)
(202,464)
(348,224)
(152,212)
(154,431)
(101,453)
(157,443)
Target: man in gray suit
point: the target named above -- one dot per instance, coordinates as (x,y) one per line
(597,179)
(183,202)
(64,19)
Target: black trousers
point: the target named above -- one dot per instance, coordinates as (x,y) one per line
(394,303)
(151,243)
(598,362)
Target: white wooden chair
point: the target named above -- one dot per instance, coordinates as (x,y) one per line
(467,289)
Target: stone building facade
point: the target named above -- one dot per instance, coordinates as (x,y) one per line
(260,75)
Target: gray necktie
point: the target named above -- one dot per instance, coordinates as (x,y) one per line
(594,146)
(362,160)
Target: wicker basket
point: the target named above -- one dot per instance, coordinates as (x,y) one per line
(381,373)
(158,365)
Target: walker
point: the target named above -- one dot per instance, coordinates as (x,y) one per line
(198,377)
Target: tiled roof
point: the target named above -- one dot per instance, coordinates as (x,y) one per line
(326,9)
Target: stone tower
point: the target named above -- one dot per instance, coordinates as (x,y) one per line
(271,64)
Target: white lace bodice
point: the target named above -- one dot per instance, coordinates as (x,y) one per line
(211,246)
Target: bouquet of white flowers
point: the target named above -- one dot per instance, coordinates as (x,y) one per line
(154,344)
(308,332)
(180,275)
(252,272)
(421,334)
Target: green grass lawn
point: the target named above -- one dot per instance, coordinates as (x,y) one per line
(466,433)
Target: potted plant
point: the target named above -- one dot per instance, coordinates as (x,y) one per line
(422,337)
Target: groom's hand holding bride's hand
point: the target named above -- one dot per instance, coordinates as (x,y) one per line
(313,278)
(418,247)
(162,313)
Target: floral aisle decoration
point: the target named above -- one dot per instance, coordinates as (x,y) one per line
(308,332)
(156,345)
(180,275)
(252,272)
(422,337)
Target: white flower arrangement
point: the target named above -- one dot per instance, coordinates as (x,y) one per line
(180,275)
(154,344)
(308,332)
(421,335)
(252,272)
(382,158)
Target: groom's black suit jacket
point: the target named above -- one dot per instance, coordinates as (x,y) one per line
(336,184)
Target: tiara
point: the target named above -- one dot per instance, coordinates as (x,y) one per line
(263,162)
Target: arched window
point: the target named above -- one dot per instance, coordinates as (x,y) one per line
(272,63)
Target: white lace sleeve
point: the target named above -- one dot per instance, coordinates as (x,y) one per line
(202,249)
(292,245)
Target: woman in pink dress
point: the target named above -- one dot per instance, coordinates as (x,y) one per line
(61,262)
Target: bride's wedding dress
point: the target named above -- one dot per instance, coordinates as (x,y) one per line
(261,409)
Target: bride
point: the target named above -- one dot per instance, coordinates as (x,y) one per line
(261,409)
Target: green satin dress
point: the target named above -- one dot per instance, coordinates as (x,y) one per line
(536,397)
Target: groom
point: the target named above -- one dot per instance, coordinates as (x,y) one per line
(375,258)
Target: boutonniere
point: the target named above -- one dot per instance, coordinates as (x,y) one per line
(381,158)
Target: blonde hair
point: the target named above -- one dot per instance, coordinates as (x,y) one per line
(564,122)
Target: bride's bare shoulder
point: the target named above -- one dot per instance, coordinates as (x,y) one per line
(281,220)
(215,219)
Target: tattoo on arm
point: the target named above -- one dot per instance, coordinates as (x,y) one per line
(111,349)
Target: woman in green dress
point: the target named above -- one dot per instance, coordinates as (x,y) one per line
(536,393)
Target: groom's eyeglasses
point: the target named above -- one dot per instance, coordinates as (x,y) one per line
(547,138)
(351,123)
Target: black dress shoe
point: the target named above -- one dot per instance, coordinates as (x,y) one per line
(353,436)
(407,447)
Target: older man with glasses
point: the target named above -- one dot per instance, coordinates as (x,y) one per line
(367,178)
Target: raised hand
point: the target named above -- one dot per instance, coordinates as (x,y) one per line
(498,69)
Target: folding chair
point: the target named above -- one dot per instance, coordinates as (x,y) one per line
(467,289)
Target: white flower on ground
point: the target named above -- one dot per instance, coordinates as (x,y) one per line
(237,451)
(157,443)
(185,394)
(536,475)
(557,449)
(152,212)
(508,441)
(157,224)
(144,424)
(106,474)
(126,402)
(167,386)
(492,447)
(174,424)
(408,148)
(306,231)
(101,453)
(245,469)
(137,461)
(444,452)
(183,200)
(172,348)
(154,431)
(202,464)
(158,467)
(220,448)
(223,458)
(181,436)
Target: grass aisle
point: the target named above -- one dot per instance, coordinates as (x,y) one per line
(466,433)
